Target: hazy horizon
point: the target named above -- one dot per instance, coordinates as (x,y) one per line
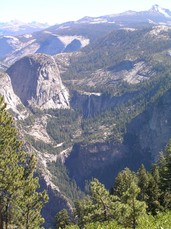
(59,11)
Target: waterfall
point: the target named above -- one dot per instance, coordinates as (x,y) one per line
(89,106)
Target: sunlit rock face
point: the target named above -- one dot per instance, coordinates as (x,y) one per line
(37,82)
(12,101)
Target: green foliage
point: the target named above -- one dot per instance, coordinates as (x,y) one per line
(100,54)
(132,208)
(165,177)
(123,182)
(63,181)
(19,200)
(68,126)
(64,125)
(62,219)
(104,225)
(32,201)
(42,146)
(99,207)
(165,169)
(110,52)
(143,182)
(134,100)
(103,207)
(129,207)
(161,220)
(83,211)
(72,227)
(101,200)
(153,195)
(137,200)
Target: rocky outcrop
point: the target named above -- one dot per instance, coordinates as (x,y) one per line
(101,160)
(56,203)
(36,81)
(14,48)
(12,101)
(75,45)
(91,104)
(51,45)
(132,72)
(150,132)
(145,137)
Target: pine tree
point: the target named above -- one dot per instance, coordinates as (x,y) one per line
(32,201)
(100,206)
(165,177)
(16,174)
(102,201)
(83,212)
(153,191)
(165,169)
(130,208)
(143,182)
(11,160)
(62,219)
(123,182)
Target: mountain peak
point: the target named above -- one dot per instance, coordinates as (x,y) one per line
(157,9)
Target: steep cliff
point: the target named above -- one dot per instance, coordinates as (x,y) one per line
(119,108)
(149,132)
(145,136)
(13,102)
(92,104)
(102,160)
(40,83)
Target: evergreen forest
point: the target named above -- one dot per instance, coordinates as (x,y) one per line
(139,200)
(20,201)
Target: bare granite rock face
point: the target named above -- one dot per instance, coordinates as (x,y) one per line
(36,81)
(12,101)
(100,159)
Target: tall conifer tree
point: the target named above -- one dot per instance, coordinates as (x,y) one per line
(17,184)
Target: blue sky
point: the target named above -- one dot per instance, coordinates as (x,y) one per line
(58,11)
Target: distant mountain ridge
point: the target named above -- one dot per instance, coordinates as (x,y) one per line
(116,109)
(156,14)
(73,35)
(16,27)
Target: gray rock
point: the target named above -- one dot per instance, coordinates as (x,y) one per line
(12,101)
(37,82)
